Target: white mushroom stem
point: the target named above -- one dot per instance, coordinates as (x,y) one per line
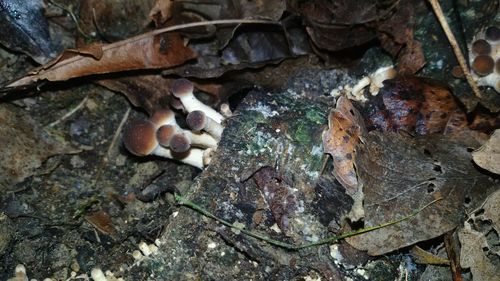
(207,156)
(379,76)
(183,90)
(194,157)
(200,139)
(226,110)
(177,104)
(198,121)
(191,103)
(197,139)
(374,80)
(358,88)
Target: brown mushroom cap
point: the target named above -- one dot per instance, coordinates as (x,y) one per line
(457,72)
(196,120)
(139,137)
(492,33)
(497,65)
(182,87)
(481,47)
(162,117)
(165,134)
(180,143)
(483,65)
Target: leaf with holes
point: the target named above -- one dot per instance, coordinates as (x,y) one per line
(474,255)
(401,174)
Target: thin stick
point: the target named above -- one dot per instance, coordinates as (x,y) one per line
(454,45)
(72,15)
(200,23)
(71,112)
(117,134)
(184,201)
(106,157)
(449,243)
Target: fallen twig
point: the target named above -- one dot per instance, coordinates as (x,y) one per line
(454,45)
(181,200)
(71,112)
(116,135)
(449,244)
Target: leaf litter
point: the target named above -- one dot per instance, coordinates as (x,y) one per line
(479,238)
(397,173)
(401,173)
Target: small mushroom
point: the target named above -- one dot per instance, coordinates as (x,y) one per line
(379,76)
(457,72)
(198,121)
(179,143)
(481,47)
(139,137)
(483,65)
(357,90)
(163,117)
(225,109)
(203,140)
(183,89)
(492,33)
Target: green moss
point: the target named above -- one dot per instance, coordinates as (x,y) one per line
(316,116)
(301,133)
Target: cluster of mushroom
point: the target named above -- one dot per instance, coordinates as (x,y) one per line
(160,135)
(484,58)
(374,82)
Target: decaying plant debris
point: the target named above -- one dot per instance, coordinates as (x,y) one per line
(324,140)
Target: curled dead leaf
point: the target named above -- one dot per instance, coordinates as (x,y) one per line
(345,127)
(140,52)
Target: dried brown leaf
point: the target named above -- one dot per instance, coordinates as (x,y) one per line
(400,174)
(331,25)
(423,257)
(102,222)
(414,104)
(473,256)
(411,59)
(150,92)
(345,127)
(93,49)
(140,52)
(491,210)
(161,11)
(488,155)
